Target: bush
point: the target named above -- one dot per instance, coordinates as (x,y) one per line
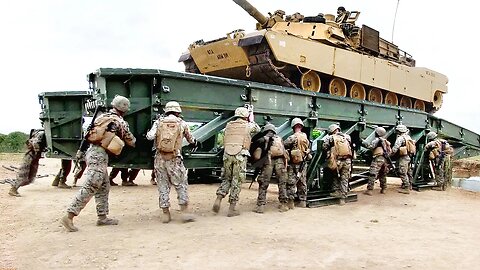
(13,142)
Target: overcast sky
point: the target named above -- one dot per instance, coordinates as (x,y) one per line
(51,45)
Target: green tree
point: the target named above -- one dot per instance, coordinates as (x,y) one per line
(13,142)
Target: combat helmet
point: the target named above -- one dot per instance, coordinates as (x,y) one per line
(380,131)
(296,121)
(431,136)
(332,128)
(121,103)
(401,129)
(172,106)
(241,112)
(269,127)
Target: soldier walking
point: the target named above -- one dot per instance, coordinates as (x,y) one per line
(168,133)
(108,136)
(380,148)
(237,141)
(404,147)
(27,172)
(276,161)
(299,149)
(439,151)
(340,155)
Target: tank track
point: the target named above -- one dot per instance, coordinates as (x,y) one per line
(262,68)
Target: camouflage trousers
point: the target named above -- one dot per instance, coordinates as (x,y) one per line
(378,170)
(277,165)
(440,172)
(233,175)
(96,183)
(297,184)
(28,169)
(404,171)
(171,172)
(342,176)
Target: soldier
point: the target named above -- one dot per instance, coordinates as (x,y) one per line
(340,156)
(168,133)
(61,177)
(276,161)
(342,15)
(108,136)
(237,142)
(439,151)
(403,146)
(378,168)
(299,148)
(27,172)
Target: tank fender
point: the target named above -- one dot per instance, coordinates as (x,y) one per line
(184,57)
(248,40)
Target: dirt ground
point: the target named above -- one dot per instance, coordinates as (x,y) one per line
(423,230)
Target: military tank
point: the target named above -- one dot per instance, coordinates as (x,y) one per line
(323,53)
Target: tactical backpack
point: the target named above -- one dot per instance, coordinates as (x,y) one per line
(277,149)
(378,151)
(169,137)
(409,148)
(300,149)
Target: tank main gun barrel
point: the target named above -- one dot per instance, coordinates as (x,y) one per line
(252,11)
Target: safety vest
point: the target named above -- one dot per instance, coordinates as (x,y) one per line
(169,135)
(237,137)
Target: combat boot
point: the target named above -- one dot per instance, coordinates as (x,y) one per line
(383,190)
(283,207)
(341,202)
(437,188)
(75,182)
(62,184)
(153,182)
(166,218)
(113,183)
(186,215)
(14,192)
(68,224)
(56,180)
(403,190)
(291,204)
(302,204)
(232,211)
(103,220)
(126,183)
(216,205)
(368,192)
(259,209)
(335,194)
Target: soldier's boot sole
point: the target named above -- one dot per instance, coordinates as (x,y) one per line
(14,192)
(302,204)
(63,185)
(283,207)
(216,204)
(107,221)
(68,224)
(166,217)
(403,190)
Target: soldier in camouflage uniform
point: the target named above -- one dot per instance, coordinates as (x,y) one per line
(438,150)
(403,161)
(237,141)
(276,162)
(27,172)
(168,133)
(108,129)
(379,167)
(299,149)
(340,151)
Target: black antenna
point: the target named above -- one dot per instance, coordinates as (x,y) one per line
(395,18)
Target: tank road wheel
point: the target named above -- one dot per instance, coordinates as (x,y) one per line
(310,81)
(419,105)
(391,99)
(406,102)
(337,87)
(437,100)
(358,91)
(375,95)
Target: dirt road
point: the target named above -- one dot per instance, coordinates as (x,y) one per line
(423,230)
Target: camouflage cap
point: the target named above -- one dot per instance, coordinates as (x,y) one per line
(172,106)
(296,121)
(241,112)
(380,131)
(332,128)
(431,135)
(401,128)
(121,103)
(269,127)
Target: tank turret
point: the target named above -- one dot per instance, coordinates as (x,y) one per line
(320,53)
